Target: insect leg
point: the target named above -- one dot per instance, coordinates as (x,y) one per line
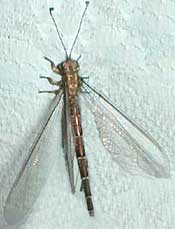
(52,92)
(51,81)
(53,66)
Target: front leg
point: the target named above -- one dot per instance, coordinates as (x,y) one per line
(53,66)
(51,81)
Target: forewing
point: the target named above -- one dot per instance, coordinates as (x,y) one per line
(33,172)
(135,151)
(68,142)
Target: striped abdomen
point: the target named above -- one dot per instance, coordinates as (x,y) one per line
(80,154)
(72,89)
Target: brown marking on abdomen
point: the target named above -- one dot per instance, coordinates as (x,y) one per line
(81,155)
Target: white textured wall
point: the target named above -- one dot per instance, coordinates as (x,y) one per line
(128,50)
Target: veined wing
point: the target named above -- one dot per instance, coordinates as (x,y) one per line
(134,150)
(32,174)
(68,142)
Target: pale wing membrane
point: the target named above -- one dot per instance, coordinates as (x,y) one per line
(134,151)
(33,172)
(68,143)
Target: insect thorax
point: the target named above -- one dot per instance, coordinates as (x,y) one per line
(70,68)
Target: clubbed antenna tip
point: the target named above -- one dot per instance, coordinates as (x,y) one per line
(51,9)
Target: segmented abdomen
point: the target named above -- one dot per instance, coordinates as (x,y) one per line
(80,154)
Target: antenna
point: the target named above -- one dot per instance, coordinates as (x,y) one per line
(79,28)
(60,38)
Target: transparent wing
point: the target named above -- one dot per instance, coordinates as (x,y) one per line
(33,172)
(68,143)
(134,150)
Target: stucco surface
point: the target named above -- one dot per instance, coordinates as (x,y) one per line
(128,51)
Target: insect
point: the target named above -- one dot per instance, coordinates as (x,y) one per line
(130,146)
